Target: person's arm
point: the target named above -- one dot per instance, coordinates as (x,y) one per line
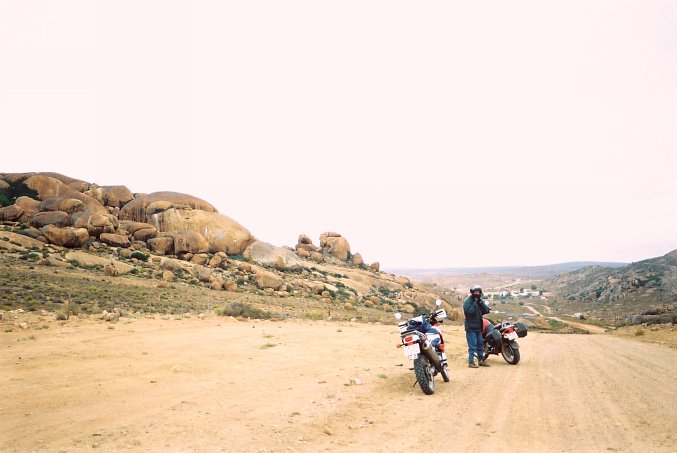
(484,307)
(470,307)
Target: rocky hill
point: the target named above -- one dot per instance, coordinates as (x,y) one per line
(53,220)
(646,291)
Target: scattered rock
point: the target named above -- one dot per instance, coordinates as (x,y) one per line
(115,240)
(317,257)
(163,245)
(109,270)
(265,279)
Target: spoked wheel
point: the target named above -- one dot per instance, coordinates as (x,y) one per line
(424,374)
(510,354)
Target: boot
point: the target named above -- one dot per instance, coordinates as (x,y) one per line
(472,364)
(484,363)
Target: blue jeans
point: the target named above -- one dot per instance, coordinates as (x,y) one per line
(475,345)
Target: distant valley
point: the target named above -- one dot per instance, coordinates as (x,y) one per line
(635,293)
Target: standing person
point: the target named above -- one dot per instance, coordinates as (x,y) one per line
(473,309)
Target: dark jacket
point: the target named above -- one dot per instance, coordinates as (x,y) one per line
(473,311)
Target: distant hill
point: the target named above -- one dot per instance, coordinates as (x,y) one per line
(532,272)
(643,292)
(654,279)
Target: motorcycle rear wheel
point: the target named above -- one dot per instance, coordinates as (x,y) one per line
(511,355)
(424,374)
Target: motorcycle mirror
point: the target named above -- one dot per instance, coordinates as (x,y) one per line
(438,302)
(398,315)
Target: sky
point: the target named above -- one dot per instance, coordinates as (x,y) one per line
(429,134)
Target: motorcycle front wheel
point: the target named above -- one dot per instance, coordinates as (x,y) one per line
(510,354)
(424,374)
(445,375)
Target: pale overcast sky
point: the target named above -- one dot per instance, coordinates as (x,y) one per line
(429,134)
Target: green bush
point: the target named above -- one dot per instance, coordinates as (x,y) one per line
(31,256)
(4,198)
(16,190)
(315,314)
(239,309)
(139,256)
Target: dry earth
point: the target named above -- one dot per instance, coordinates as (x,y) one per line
(217,384)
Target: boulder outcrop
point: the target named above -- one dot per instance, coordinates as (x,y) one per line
(113,196)
(67,205)
(10,213)
(58,218)
(269,255)
(162,245)
(189,242)
(28,205)
(65,237)
(172,212)
(98,224)
(305,243)
(161,201)
(335,244)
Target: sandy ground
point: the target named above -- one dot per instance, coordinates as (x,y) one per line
(216,384)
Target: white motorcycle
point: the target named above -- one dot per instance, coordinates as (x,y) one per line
(422,341)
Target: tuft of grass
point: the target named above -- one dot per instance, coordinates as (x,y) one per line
(267,346)
(239,309)
(382,376)
(639,332)
(315,315)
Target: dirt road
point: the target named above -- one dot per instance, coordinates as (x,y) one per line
(587,327)
(153,385)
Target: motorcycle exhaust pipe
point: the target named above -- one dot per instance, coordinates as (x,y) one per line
(431,354)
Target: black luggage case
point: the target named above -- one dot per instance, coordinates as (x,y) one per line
(521,329)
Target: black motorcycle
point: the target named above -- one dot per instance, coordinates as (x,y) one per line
(501,338)
(422,341)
